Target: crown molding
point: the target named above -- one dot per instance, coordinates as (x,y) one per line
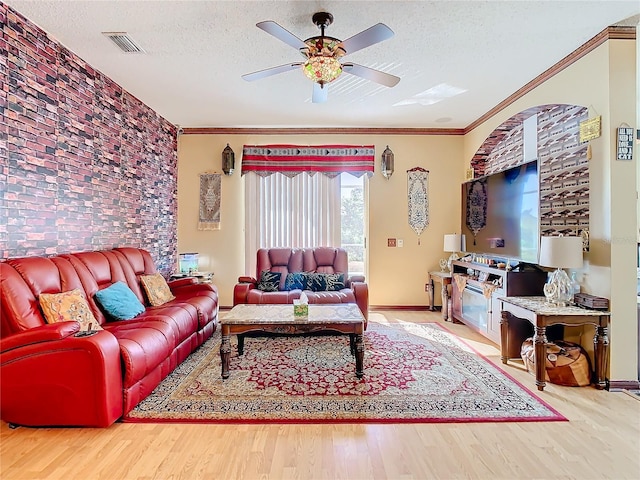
(322,131)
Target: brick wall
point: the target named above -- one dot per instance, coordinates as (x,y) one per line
(85,165)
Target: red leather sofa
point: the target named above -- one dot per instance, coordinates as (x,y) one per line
(307,260)
(51,377)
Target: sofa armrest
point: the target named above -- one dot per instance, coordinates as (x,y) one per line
(194,288)
(247,280)
(45,333)
(241,292)
(361,292)
(356,278)
(68,381)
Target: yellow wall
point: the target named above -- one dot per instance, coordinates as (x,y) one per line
(605,82)
(396,276)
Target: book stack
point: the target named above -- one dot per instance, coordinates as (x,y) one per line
(591,301)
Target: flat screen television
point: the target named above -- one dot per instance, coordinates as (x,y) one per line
(500,214)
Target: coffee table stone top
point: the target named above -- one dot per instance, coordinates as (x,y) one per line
(279,313)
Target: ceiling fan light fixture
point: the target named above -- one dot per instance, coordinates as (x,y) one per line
(322,54)
(322,69)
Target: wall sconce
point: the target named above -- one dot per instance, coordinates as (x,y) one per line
(228,160)
(387,163)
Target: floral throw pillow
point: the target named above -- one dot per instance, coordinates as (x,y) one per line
(68,306)
(269,281)
(156,288)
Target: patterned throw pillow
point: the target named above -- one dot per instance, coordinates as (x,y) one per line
(323,282)
(269,281)
(68,306)
(119,302)
(335,281)
(315,282)
(156,288)
(294,281)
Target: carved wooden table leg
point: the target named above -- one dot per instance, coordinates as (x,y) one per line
(240,345)
(540,355)
(431,295)
(352,343)
(359,354)
(444,294)
(600,353)
(225,352)
(504,336)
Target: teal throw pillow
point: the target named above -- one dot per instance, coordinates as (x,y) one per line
(269,281)
(294,281)
(119,302)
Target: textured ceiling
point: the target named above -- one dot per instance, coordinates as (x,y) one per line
(196,52)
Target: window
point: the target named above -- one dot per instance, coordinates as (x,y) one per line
(352,223)
(306,210)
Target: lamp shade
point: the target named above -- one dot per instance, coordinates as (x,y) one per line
(455,242)
(560,252)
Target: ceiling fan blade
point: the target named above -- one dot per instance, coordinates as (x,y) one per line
(281,34)
(377,76)
(366,38)
(267,72)
(320,93)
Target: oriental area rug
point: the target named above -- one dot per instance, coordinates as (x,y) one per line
(420,373)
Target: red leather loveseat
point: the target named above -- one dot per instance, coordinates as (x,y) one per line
(286,261)
(51,376)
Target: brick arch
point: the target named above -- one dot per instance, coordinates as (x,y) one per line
(479,159)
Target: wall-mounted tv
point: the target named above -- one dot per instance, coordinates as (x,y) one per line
(500,213)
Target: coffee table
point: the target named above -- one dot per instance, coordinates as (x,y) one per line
(345,318)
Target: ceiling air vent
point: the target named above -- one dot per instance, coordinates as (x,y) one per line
(124,42)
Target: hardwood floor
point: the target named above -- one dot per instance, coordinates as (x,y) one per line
(600,440)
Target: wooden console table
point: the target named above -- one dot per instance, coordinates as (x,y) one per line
(542,314)
(444,278)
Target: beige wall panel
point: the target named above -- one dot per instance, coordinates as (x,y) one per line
(221,251)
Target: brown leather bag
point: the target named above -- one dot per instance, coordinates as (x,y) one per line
(566,363)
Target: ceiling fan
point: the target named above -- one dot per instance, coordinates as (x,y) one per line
(323,55)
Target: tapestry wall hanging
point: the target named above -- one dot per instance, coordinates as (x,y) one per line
(418,198)
(477,207)
(290,160)
(209,204)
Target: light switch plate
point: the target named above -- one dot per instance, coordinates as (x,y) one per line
(391,242)
(400,243)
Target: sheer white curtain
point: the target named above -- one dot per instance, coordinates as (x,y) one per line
(300,211)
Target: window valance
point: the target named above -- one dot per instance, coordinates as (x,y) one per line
(291,160)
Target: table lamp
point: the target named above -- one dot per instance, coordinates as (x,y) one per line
(454,243)
(560,252)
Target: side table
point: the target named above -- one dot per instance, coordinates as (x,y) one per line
(201,277)
(444,278)
(542,314)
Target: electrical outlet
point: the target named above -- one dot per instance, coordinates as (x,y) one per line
(400,243)
(391,242)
